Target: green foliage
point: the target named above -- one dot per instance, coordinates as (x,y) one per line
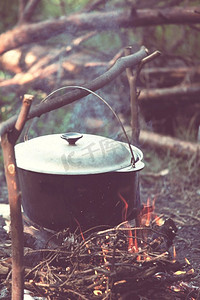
(51,123)
(7,107)
(56,8)
(186,43)
(8,14)
(104,41)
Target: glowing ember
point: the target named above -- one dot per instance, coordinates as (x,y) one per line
(180,273)
(120,282)
(174,253)
(159,221)
(104,251)
(191,271)
(97,292)
(175,288)
(187,261)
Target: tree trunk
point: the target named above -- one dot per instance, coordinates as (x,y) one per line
(171,93)
(176,146)
(113,20)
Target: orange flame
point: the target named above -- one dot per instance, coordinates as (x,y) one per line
(174,253)
(148,217)
(146,213)
(130,241)
(135,242)
(125,209)
(124,218)
(79,226)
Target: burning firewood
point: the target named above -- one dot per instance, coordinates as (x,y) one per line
(98,264)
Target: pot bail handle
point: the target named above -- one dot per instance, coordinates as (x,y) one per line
(133,160)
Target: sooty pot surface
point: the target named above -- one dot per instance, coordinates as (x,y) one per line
(60,201)
(86,180)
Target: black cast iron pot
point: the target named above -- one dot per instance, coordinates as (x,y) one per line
(78,179)
(72,179)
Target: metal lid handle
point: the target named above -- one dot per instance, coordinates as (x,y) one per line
(71,137)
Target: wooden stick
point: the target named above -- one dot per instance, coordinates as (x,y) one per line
(135,124)
(96,20)
(8,141)
(176,146)
(133,102)
(135,131)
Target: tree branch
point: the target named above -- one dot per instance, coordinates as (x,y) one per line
(21,7)
(171,93)
(26,10)
(29,9)
(132,79)
(46,63)
(29,33)
(176,146)
(59,101)
(8,141)
(135,124)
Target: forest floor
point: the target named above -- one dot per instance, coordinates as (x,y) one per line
(177,196)
(174,185)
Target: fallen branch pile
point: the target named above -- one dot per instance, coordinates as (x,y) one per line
(110,264)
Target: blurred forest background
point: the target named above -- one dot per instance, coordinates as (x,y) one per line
(48,44)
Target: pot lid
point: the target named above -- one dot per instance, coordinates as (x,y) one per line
(74,154)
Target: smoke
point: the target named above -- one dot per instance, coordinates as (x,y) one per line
(90,115)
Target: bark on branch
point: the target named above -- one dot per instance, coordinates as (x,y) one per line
(8,141)
(176,146)
(45,63)
(171,74)
(171,93)
(59,101)
(97,21)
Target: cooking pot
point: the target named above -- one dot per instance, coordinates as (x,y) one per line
(72,179)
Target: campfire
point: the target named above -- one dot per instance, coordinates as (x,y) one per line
(135,259)
(124,262)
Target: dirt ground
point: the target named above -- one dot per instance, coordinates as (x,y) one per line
(174,184)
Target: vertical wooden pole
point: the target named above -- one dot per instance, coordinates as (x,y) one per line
(135,130)
(8,141)
(135,124)
(15,217)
